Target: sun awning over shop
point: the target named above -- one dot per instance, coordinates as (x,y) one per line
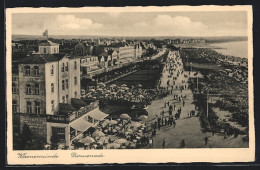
(97,114)
(81,125)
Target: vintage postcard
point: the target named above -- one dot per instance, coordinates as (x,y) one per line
(100,85)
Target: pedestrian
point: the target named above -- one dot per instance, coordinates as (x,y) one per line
(162,122)
(168,103)
(173,122)
(174,107)
(151,142)
(183,144)
(183,103)
(206,140)
(163,113)
(163,144)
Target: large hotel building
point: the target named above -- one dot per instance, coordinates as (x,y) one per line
(43,87)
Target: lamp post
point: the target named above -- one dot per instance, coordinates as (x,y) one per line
(207,101)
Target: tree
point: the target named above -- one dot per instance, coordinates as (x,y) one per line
(26,134)
(54,140)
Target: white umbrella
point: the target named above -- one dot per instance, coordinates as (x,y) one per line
(140,96)
(120,141)
(143,117)
(135,124)
(112,122)
(87,139)
(92,90)
(123,85)
(102,84)
(98,134)
(125,88)
(104,139)
(125,116)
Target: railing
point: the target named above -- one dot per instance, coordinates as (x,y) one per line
(72,115)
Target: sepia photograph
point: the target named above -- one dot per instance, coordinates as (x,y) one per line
(102,84)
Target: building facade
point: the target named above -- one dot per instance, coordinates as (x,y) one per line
(48,47)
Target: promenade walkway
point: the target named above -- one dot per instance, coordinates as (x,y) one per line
(187,128)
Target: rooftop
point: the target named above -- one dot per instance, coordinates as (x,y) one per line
(41,58)
(48,43)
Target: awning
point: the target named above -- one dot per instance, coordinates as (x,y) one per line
(81,125)
(97,114)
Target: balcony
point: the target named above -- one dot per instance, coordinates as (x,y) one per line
(71,116)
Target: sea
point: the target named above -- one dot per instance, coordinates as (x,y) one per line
(236,48)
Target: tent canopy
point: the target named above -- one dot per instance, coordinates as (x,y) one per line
(97,114)
(81,125)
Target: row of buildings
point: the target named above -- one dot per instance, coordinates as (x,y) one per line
(46,85)
(184,41)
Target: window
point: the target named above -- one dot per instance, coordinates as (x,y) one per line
(14,89)
(52,69)
(54,50)
(67,98)
(29,107)
(36,70)
(27,70)
(60,133)
(63,85)
(67,83)
(44,50)
(67,67)
(52,105)
(28,89)
(62,67)
(36,88)
(52,87)
(37,107)
(75,65)
(76,94)
(75,81)
(63,99)
(14,106)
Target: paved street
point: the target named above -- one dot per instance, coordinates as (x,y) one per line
(187,128)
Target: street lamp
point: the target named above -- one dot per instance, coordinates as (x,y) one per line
(207,89)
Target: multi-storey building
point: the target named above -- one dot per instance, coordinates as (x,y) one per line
(43,87)
(48,47)
(126,53)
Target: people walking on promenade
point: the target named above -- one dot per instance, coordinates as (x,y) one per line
(163,144)
(206,140)
(183,144)
(151,142)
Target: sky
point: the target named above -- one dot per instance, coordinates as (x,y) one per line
(198,23)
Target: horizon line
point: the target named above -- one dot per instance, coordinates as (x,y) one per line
(138,35)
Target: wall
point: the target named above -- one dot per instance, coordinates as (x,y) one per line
(24,80)
(74,73)
(37,123)
(50,95)
(63,76)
